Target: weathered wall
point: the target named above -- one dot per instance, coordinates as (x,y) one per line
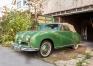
(50,6)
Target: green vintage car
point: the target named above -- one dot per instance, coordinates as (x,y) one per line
(46,38)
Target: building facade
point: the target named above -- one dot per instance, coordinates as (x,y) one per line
(76,12)
(35,7)
(22,5)
(51,6)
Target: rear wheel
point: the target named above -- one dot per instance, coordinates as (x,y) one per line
(45,48)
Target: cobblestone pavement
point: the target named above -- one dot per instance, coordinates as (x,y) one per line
(90,46)
(72,62)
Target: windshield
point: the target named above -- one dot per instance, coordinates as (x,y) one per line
(48,27)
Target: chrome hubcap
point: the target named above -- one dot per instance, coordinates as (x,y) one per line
(45,49)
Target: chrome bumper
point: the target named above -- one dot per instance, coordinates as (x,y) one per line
(17,47)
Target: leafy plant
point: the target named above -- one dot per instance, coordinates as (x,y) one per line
(83,61)
(13,23)
(79,63)
(88,56)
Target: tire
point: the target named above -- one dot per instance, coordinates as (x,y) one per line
(45,48)
(75,46)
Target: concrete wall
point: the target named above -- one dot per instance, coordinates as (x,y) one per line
(50,6)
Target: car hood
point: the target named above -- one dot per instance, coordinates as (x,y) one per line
(31,33)
(24,35)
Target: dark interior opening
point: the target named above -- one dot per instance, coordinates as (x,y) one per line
(89,32)
(83,24)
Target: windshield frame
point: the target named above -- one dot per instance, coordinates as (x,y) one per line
(43,27)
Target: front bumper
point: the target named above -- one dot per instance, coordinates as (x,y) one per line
(18,47)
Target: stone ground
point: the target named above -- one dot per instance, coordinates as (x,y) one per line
(60,57)
(69,57)
(90,46)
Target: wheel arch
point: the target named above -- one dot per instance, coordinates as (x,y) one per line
(50,40)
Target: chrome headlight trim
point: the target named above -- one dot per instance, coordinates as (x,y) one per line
(19,41)
(27,38)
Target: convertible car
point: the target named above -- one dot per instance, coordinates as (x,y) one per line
(46,38)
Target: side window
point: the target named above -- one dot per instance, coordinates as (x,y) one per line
(24,2)
(19,4)
(65,28)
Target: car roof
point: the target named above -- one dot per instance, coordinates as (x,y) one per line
(71,27)
(53,23)
(67,24)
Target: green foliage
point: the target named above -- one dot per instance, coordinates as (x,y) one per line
(88,56)
(84,60)
(13,23)
(79,63)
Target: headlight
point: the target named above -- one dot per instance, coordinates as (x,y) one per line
(27,38)
(19,41)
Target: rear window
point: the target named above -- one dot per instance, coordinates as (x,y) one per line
(65,28)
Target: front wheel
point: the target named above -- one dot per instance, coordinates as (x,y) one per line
(45,48)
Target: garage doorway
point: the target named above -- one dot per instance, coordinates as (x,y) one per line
(90,30)
(83,24)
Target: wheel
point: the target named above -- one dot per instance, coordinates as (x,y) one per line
(75,46)
(45,49)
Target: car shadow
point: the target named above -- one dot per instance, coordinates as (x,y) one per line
(35,54)
(30,55)
(67,49)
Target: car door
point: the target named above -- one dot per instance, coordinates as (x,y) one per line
(65,36)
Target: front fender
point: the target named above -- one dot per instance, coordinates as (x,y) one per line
(39,37)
